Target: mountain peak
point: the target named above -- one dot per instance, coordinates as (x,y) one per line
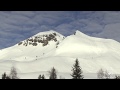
(78,33)
(42,38)
(47,32)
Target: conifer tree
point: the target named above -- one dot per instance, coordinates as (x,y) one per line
(39,77)
(13,73)
(43,77)
(53,73)
(77,71)
(4,76)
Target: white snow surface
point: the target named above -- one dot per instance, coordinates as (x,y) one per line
(93,54)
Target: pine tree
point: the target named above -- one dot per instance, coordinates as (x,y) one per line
(13,73)
(100,74)
(107,75)
(4,76)
(39,77)
(77,71)
(53,73)
(43,77)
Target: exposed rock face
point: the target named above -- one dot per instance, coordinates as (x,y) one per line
(42,39)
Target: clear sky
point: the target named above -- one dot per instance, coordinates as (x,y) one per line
(19,25)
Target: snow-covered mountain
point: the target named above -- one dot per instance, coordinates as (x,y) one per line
(45,50)
(32,48)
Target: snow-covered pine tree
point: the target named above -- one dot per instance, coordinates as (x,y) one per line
(53,73)
(13,73)
(77,71)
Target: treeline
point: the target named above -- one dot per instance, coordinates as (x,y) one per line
(77,73)
(104,74)
(12,75)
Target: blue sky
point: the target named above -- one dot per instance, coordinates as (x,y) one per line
(19,25)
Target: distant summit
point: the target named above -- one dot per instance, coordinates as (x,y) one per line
(78,33)
(42,38)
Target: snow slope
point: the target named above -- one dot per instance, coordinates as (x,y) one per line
(93,54)
(30,52)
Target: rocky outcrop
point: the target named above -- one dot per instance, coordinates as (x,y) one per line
(42,39)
